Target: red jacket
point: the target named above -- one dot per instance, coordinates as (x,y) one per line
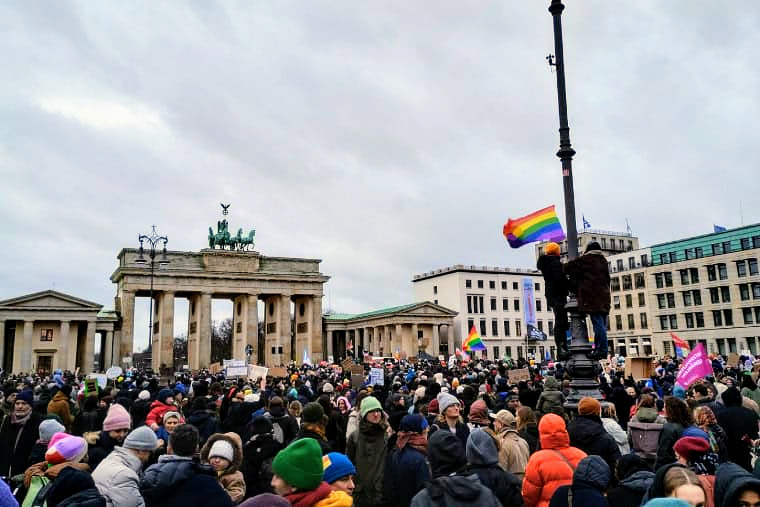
(553,465)
(157,411)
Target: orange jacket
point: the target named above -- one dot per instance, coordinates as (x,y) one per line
(547,470)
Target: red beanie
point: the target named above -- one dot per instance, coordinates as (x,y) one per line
(433,406)
(691,447)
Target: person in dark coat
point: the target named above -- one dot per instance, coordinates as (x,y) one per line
(313,422)
(140,408)
(634,478)
(451,485)
(204,419)
(590,480)
(589,278)
(397,411)
(258,453)
(735,486)
(587,433)
(178,481)
(73,487)
(740,425)
(280,416)
(89,418)
(18,435)
(406,469)
(555,285)
(483,461)
(527,428)
(679,418)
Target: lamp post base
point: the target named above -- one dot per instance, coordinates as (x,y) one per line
(582,369)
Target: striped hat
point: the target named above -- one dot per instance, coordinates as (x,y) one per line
(69,448)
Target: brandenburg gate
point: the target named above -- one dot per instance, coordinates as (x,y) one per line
(241,276)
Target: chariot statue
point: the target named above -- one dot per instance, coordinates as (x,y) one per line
(223,239)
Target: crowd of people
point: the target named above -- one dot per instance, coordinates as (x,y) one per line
(431,433)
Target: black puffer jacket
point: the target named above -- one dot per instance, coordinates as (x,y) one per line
(587,434)
(554,279)
(590,481)
(177,481)
(730,479)
(206,422)
(455,490)
(634,478)
(483,461)
(589,276)
(72,488)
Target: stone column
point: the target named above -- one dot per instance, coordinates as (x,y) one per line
(378,340)
(192,331)
(450,338)
(88,357)
(204,331)
(415,333)
(26,351)
(284,328)
(251,325)
(330,337)
(62,357)
(435,344)
(303,323)
(367,338)
(126,309)
(164,356)
(317,352)
(2,342)
(106,355)
(398,339)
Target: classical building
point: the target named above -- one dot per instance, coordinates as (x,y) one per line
(49,330)
(611,242)
(409,329)
(244,277)
(630,322)
(491,299)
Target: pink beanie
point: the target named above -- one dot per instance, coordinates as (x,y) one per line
(56,437)
(68,448)
(117,419)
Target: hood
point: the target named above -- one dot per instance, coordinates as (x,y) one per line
(729,480)
(592,471)
(638,481)
(59,396)
(479,413)
(628,464)
(586,429)
(551,384)
(445,453)
(163,478)
(458,487)
(647,414)
(657,489)
(552,432)
(237,447)
(336,499)
(481,448)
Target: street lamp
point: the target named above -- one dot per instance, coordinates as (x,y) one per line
(581,368)
(153,240)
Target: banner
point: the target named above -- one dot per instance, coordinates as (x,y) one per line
(529,302)
(694,367)
(535,334)
(376,376)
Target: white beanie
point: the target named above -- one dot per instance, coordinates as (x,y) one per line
(144,395)
(222,449)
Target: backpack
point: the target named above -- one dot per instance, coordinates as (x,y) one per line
(645,438)
(38,489)
(279,435)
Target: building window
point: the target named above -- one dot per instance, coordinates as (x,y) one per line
(697,296)
(631,322)
(711,273)
(658,280)
(660,301)
(483,327)
(629,300)
(639,282)
(538,287)
(744,291)
(435,301)
(480,284)
(717,318)
(668,279)
(757,314)
(518,328)
(698,253)
(503,285)
(619,322)
(643,320)
(470,324)
(540,325)
(631,262)
(726,247)
(642,300)
(756,291)
(516,305)
(741,268)
(468,284)
(686,298)
(493,304)
(753,267)
(672,257)
(505,305)
(469,304)
(627,282)
(496,352)
(538,305)
(689,320)
(616,302)
(744,243)
(716,250)
(755,241)
(684,276)
(506,327)
(615,284)
(673,322)
(722,272)
(619,264)
(435,289)
(747,313)
(491,284)
(700,319)
(494,327)
(551,327)
(725,294)
(663,322)
(671,300)
(515,286)
(688,253)
(694,272)
(714,295)
(46,335)
(644,260)
(728,317)
(604,243)
(520,352)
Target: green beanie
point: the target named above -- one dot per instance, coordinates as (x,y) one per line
(369,404)
(300,464)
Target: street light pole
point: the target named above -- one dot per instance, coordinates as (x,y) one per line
(153,240)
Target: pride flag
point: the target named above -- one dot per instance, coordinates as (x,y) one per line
(543,225)
(682,348)
(461,353)
(473,342)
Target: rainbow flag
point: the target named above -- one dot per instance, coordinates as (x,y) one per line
(543,225)
(461,353)
(682,348)
(473,342)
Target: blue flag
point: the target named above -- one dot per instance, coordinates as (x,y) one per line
(718,228)
(586,223)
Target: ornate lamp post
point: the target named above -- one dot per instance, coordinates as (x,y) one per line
(153,240)
(582,369)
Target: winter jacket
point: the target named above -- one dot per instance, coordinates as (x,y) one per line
(88,421)
(554,280)
(238,417)
(483,461)
(207,423)
(587,433)
(288,424)
(100,445)
(118,479)
(231,479)
(513,452)
(461,430)
(157,411)
(323,443)
(530,434)
(589,276)
(455,490)
(74,488)
(258,454)
(178,481)
(139,411)
(60,406)
(406,471)
(16,442)
(590,481)
(553,465)
(366,448)
(671,432)
(617,433)
(729,481)
(648,415)
(635,478)
(738,421)
(551,400)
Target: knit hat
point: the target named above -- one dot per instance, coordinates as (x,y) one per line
(172,413)
(679,392)
(593,246)
(327,387)
(117,418)
(479,413)
(144,395)
(261,425)
(445,400)
(693,431)
(433,407)
(691,447)
(141,439)
(369,404)
(56,437)
(337,466)
(551,248)
(414,423)
(68,448)
(266,500)
(48,428)
(300,464)
(164,393)
(505,417)
(313,413)
(667,502)
(445,453)
(222,449)
(26,395)
(589,406)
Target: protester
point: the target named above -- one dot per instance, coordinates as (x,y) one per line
(65,451)
(449,417)
(735,487)
(171,419)
(115,427)
(634,478)
(482,460)
(527,428)
(590,481)
(224,452)
(513,449)
(613,429)
(48,428)
(406,468)
(299,473)
(18,434)
(203,418)
(478,416)
(679,418)
(164,403)
(555,285)
(60,406)
(258,454)
(741,427)
(285,424)
(551,400)
(366,448)
(707,422)
(339,473)
(587,433)
(694,453)
(313,425)
(117,477)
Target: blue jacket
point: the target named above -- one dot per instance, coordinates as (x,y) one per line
(177,481)
(406,472)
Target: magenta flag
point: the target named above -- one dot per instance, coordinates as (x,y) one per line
(696,366)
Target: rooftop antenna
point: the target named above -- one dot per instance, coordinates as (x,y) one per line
(741,213)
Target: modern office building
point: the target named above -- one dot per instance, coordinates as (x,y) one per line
(630,321)
(491,299)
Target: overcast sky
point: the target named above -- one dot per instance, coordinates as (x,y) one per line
(386,138)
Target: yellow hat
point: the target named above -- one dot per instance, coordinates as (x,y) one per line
(551,248)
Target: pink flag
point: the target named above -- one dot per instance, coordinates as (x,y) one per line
(694,367)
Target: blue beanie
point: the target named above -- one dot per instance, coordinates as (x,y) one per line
(26,395)
(163,394)
(337,466)
(693,431)
(414,423)
(679,392)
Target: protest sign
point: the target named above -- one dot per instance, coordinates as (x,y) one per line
(255,371)
(376,376)
(356,380)
(640,368)
(214,368)
(696,366)
(356,369)
(518,375)
(278,372)
(347,363)
(113,372)
(100,378)
(733,359)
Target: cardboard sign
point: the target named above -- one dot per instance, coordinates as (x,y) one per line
(214,368)
(101,379)
(733,359)
(255,371)
(376,376)
(347,363)
(278,372)
(519,375)
(356,380)
(639,367)
(236,371)
(356,369)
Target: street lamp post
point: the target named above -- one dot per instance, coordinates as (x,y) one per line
(581,368)
(153,240)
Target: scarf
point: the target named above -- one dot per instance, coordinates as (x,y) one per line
(705,417)
(309,498)
(21,419)
(414,440)
(315,428)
